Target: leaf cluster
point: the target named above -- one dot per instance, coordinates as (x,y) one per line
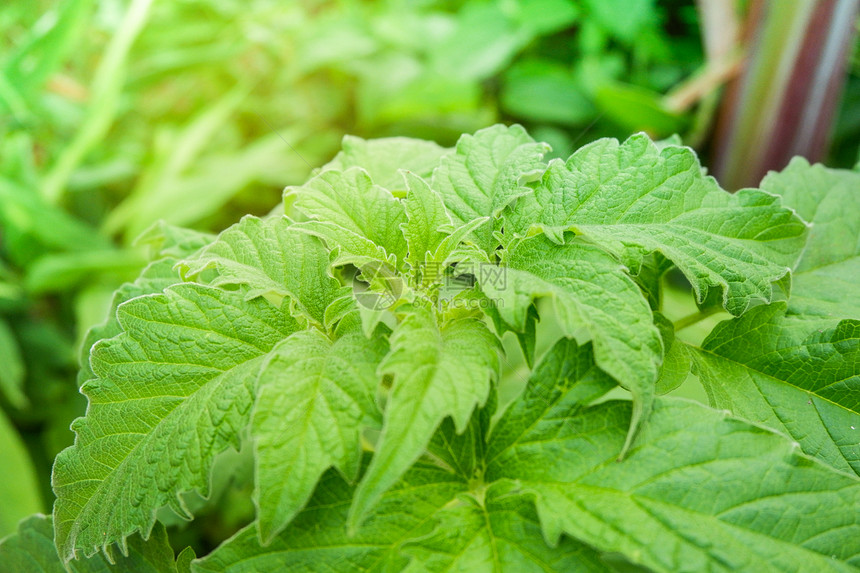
(355,346)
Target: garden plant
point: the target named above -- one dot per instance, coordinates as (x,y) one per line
(457,359)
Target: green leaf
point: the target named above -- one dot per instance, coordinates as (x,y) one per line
(383,159)
(167,240)
(428,222)
(650,278)
(317,539)
(676,359)
(544,90)
(440,516)
(742,499)
(824,282)
(184,559)
(31,550)
(272,259)
(19,491)
(314,398)
(632,199)
(593,299)
(154,278)
(796,375)
(431,236)
(485,174)
(566,379)
(495,532)
(462,452)
(349,211)
(637,108)
(438,372)
(174,389)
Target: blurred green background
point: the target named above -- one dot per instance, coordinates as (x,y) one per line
(117,114)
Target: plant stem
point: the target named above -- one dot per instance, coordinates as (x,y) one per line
(694,318)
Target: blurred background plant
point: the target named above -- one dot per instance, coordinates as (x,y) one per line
(117,114)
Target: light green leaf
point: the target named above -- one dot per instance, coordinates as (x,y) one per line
(438,372)
(632,199)
(799,376)
(171,241)
(314,398)
(19,491)
(317,539)
(174,389)
(353,213)
(566,379)
(485,174)
(593,299)
(272,259)
(462,452)
(11,368)
(428,222)
(676,359)
(184,559)
(32,550)
(153,279)
(451,246)
(742,499)
(495,532)
(824,282)
(384,158)
(440,516)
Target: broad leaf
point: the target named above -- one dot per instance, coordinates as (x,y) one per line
(824,283)
(314,398)
(273,259)
(438,372)
(174,389)
(566,377)
(349,211)
(153,279)
(427,522)
(485,174)
(798,376)
(441,516)
(168,243)
(494,531)
(428,222)
(384,158)
(550,468)
(632,199)
(594,299)
(168,240)
(698,491)
(317,540)
(676,359)
(32,550)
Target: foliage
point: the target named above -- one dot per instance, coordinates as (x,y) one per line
(355,346)
(118,114)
